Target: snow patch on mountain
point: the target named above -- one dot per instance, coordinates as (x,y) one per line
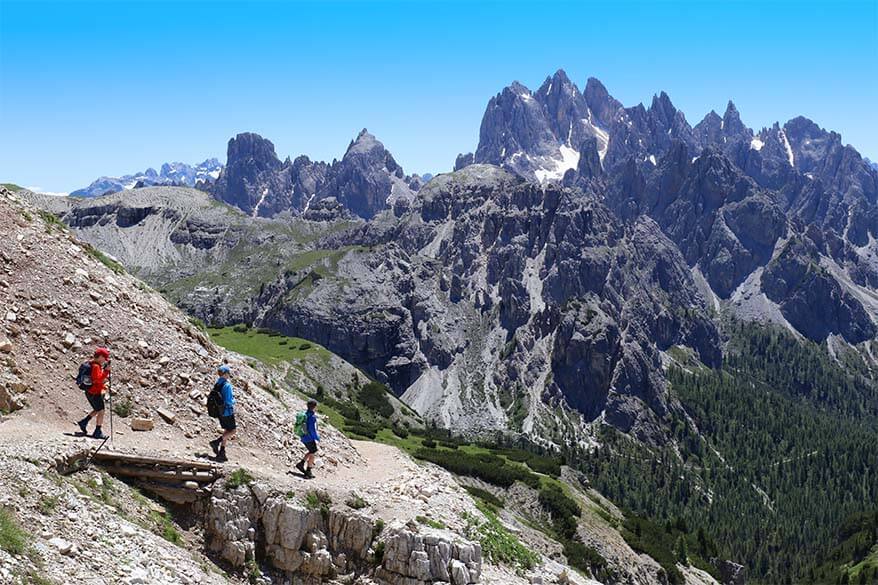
(170,174)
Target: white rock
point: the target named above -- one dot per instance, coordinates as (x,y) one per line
(11,316)
(82,273)
(69,340)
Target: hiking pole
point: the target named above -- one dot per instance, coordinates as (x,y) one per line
(110,392)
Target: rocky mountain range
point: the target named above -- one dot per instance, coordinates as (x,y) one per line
(545,288)
(486,297)
(170,174)
(366,180)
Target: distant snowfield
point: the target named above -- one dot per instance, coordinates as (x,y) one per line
(41,191)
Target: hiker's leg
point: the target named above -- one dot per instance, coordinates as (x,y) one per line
(99,418)
(227,436)
(309,460)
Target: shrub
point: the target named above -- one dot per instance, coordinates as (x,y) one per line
(238,478)
(123,408)
(377,528)
(449,444)
(400,432)
(241,328)
(318,500)
(429,443)
(378,553)
(305,346)
(283,342)
(362,429)
(487,466)
(47,504)
(356,502)
(485,496)
(374,397)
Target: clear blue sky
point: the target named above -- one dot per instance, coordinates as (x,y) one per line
(112,87)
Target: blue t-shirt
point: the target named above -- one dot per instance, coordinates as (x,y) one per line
(310,427)
(228,399)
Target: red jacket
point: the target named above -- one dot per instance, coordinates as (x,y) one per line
(98,377)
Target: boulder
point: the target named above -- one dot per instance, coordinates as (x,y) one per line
(142,424)
(167,415)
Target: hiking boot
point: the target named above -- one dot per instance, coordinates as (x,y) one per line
(83,425)
(308,474)
(221,456)
(301,467)
(98,434)
(215,445)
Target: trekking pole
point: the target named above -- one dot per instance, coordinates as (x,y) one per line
(110,392)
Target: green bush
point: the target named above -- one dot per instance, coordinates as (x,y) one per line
(374,396)
(238,478)
(305,346)
(362,429)
(318,500)
(400,432)
(241,328)
(356,502)
(429,443)
(487,467)
(485,496)
(123,408)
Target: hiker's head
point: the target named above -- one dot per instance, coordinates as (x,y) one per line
(102,355)
(312,405)
(224,371)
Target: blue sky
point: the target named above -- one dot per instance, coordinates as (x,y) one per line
(88,89)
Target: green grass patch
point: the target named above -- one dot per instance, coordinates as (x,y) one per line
(266,345)
(13,539)
(438,524)
(104,259)
(498,544)
(238,478)
(12,187)
(166,528)
(47,505)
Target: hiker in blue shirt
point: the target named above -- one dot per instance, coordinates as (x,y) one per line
(227,419)
(310,439)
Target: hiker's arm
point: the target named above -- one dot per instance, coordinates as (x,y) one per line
(312,427)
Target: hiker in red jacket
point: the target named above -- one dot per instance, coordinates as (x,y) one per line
(95,386)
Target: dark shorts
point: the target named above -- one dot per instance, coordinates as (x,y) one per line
(96,401)
(228,422)
(311,446)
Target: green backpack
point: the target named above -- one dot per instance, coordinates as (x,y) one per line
(300,426)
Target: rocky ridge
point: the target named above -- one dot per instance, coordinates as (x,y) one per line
(365,181)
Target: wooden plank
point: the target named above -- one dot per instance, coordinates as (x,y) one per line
(170,475)
(128,458)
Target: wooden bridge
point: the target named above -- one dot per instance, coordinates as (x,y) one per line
(177,480)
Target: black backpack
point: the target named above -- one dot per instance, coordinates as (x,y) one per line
(83,377)
(215,402)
